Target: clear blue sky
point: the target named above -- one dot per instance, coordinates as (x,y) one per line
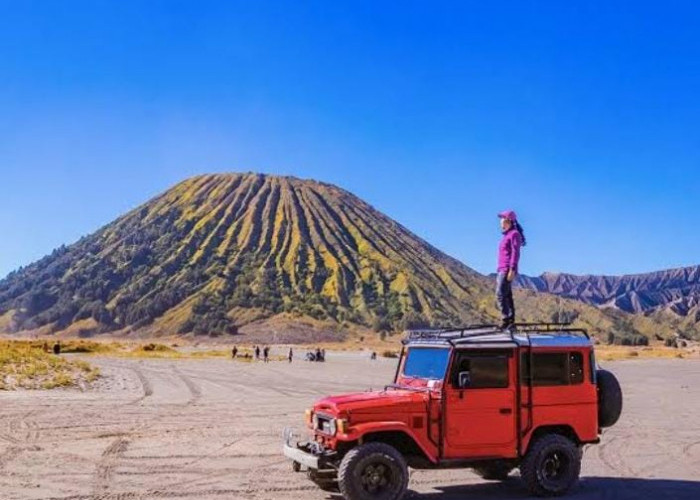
(583,118)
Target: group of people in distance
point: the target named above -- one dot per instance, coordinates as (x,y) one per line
(317,355)
(257,351)
(313,355)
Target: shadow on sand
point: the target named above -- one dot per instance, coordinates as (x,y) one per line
(608,488)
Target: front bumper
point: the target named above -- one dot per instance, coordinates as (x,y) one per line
(309,454)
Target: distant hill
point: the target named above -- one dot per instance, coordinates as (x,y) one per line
(219,251)
(219,254)
(675,291)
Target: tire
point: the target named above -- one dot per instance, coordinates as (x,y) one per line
(551,466)
(373,471)
(609,399)
(497,471)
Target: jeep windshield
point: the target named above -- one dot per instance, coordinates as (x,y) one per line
(428,363)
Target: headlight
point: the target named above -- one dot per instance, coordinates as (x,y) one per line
(325,424)
(308,416)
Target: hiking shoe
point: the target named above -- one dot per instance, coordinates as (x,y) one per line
(507,324)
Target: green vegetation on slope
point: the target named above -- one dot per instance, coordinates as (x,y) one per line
(220,243)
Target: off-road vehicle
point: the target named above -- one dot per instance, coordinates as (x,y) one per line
(478,397)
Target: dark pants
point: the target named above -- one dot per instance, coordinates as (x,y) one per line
(504,296)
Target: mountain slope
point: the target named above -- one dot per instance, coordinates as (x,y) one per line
(220,252)
(216,246)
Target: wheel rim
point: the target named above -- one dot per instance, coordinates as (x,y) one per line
(377,478)
(554,467)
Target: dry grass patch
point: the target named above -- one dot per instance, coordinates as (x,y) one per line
(133,349)
(24,365)
(212,353)
(617,353)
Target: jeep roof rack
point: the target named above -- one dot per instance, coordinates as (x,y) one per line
(452,335)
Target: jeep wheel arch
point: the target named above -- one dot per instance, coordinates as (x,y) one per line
(562,430)
(400,440)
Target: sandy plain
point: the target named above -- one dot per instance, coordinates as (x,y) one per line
(211,429)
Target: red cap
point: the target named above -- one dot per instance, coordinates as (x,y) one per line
(508,214)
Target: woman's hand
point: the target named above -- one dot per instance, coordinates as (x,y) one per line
(511,275)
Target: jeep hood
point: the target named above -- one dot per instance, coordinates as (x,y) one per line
(373,401)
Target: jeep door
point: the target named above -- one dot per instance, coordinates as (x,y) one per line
(479,419)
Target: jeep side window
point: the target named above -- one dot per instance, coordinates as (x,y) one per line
(553,368)
(480,370)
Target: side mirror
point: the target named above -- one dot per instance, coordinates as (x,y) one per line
(464,380)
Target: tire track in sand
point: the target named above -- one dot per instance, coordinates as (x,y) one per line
(227,493)
(9,455)
(22,434)
(145,384)
(105,467)
(112,455)
(691,452)
(195,391)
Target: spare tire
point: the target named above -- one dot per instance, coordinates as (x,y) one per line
(609,398)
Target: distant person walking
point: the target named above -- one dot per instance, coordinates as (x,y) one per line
(266,354)
(508,258)
(234,352)
(291,354)
(257,353)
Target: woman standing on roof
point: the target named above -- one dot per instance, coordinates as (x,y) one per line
(508,257)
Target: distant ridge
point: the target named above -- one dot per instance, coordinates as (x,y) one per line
(676,291)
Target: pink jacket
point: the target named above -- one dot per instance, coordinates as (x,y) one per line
(509,251)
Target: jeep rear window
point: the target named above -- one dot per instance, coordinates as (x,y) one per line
(553,368)
(426,362)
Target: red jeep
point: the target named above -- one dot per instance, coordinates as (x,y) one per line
(476,397)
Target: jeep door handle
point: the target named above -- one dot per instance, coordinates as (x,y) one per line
(505,411)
